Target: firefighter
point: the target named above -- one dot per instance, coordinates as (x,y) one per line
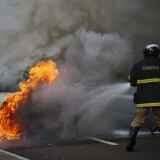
(145,76)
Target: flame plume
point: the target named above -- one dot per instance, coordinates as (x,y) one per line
(11,127)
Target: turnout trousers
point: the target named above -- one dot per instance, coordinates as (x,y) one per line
(141,115)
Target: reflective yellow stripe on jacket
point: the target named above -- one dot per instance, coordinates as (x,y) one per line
(151,80)
(143,105)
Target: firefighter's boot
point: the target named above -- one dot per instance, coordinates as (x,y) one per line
(132,139)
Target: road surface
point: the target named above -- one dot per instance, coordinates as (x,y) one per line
(148,148)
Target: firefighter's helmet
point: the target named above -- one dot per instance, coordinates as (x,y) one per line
(152,50)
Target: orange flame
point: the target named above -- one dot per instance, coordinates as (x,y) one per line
(11,127)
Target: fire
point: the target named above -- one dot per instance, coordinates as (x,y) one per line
(11,127)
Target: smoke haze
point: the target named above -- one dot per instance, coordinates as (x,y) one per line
(100,41)
(28,28)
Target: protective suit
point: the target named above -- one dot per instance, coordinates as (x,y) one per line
(145,76)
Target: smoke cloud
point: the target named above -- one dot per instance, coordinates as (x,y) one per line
(85,89)
(97,38)
(29,28)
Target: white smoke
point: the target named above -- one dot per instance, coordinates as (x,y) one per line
(29,28)
(88,83)
(96,37)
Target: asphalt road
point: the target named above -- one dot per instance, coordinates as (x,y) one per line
(147,148)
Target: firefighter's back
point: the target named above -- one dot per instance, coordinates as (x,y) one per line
(148,82)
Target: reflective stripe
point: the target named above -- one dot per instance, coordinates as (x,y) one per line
(151,80)
(129,78)
(156,104)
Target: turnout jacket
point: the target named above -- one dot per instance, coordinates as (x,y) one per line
(145,75)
